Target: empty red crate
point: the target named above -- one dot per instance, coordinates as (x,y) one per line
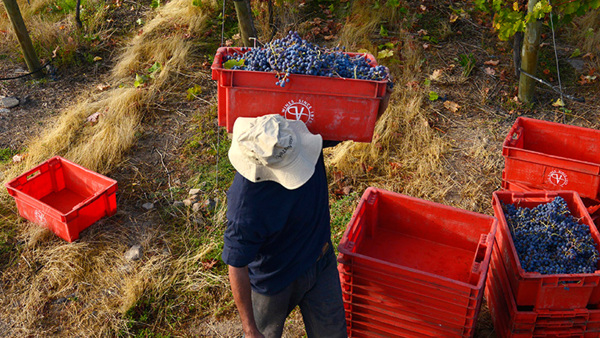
(408,314)
(63,196)
(552,156)
(336,108)
(442,251)
(559,291)
(415,296)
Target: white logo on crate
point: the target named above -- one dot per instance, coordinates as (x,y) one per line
(40,218)
(298,110)
(558,177)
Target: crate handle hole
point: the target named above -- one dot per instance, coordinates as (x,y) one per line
(33,174)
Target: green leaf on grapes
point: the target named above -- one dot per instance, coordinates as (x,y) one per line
(231,63)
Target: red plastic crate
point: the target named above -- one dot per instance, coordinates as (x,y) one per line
(63,196)
(559,291)
(414,295)
(336,108)
(511,320)
(407,314)
(374,320)
(409,255)
(552,156)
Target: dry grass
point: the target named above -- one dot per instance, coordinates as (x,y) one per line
(406,152)
(586,31)
(88,288)
(53,31)
(100,146)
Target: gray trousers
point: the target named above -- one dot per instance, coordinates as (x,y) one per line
(318,294)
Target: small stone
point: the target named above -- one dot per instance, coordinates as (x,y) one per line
(210,204)
(178,204)
(577,64)
(148,206)
(194,192)
(196,207)
(187,202)
(9,102)
(134,253)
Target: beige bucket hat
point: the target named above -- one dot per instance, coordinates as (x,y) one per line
(272,148)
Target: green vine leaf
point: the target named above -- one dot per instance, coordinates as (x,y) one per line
(231,63)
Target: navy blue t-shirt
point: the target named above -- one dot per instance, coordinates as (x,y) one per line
(278,233)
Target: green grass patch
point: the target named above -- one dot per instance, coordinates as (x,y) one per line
(6,154)
(341,212)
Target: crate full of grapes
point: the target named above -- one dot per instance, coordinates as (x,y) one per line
(337,94)
(549,246)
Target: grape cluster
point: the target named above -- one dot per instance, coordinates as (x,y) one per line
(549,240)
(293,55)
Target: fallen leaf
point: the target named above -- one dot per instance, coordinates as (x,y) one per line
(102,87)
(588,55)
(433,96)
(436,75)
(386,53)
(207,265)
(423,8)
(347,190)
(453,17)
(18,158)
(422,32)
(558,103)
(425,46)
(489,71)
(395,165)
(97,58)
(492,62)
(329,37)
(338,175)
(452,106)
(546,71)
(94,117)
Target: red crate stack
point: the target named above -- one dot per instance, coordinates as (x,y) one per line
(529,304)
(338,109)
(411,267)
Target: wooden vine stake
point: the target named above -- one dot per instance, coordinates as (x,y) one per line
(33,63)
(244,15)
(529,56)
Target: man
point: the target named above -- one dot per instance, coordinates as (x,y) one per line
(278,238)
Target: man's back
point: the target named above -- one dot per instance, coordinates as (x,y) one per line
(284,230)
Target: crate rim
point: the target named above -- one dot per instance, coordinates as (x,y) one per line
(517,123)
(112,184)
(586,216)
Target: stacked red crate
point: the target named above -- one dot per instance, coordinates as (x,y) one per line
(411,267)
(543,155)
(528,304)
